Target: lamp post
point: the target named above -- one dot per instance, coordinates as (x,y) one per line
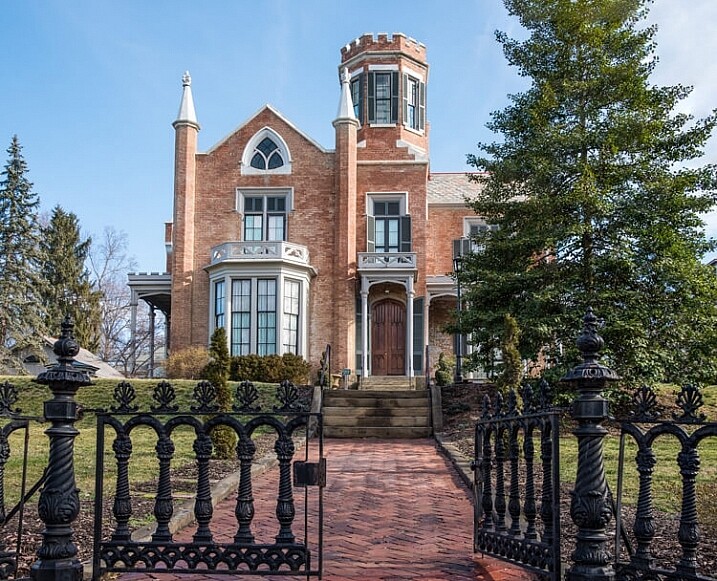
(457,265)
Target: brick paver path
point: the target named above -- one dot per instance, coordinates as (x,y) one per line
(393,510)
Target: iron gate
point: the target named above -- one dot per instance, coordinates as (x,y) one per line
(249,551)
(508,523)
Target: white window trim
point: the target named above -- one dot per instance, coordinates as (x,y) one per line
(401,197)
(382,67)
(413,73)
(245,165)
(242,193)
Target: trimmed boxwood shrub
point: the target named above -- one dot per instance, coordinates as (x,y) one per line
(269,368)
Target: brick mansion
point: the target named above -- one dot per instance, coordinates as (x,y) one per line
(290,246)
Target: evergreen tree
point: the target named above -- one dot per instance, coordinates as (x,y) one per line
(68,289)
(595,200)
(22,316)
(511,372)
(217,373)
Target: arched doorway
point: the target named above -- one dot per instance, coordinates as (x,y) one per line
(388,338)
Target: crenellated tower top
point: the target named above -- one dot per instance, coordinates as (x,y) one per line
(386,43)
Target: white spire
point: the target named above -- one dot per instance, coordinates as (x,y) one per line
(346,106)
(186,108)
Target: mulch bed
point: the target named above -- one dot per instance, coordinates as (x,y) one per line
(461,410)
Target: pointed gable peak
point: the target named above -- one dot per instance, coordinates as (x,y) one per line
(186,115)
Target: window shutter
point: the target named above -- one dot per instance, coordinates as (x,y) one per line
(418,347)
(405,99)
(394,97)
(422,107)
(370,234)
(405,233)
(371,98)
(360,97)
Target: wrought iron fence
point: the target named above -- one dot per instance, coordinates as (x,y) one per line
(288,554)
(14,421)
(645,426)
(517,494)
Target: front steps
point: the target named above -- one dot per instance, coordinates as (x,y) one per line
(387,383)
(376,414)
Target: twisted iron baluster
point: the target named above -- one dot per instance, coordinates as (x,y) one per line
(514,501)
(500,480)
(487,500)
(285,510)
(546,457)
(689,532)
(244,510)
(529,507)
(644,527)
(122,506)
(163,505)
(203,503)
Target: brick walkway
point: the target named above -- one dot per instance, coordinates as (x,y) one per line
(394,510)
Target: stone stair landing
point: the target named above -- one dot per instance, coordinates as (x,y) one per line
(376,414)
(387,383)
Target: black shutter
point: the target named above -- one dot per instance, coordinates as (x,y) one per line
(405,233)
(371,98)
(370,234)
(422,107)
(418,347)
(361,91)
(405,99)
(394,97)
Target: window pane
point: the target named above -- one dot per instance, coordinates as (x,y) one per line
(276,228)
(383,85)
(253,227)
(241,317)
(383,111)
(393,208)
(290,338)
(254,204)
(266,316)
(266,146)
(258,161)
(275,160)
(393,235)
(219,296)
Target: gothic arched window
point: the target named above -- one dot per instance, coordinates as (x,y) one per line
(267,155)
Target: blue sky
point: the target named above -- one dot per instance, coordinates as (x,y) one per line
(91,87)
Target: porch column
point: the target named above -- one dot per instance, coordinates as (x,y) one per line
(134,300)
(364,329)
(151,341)
(410,294)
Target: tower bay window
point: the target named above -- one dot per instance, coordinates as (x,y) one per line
(414,103)
(383,97)
(219,292)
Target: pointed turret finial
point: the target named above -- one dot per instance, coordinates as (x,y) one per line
(346,106)
(186,115)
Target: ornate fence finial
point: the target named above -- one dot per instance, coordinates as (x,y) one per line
(591,505)
(59,502)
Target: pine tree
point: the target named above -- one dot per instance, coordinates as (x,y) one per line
(511,372)
(594,199)
(68,289)
(22,316)
(217,373)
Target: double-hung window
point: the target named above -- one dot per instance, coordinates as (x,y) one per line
(388,226)
(219,295)
(414,102)
(241,317)
(264,218)
(266,316)
(357,96)
(383,97)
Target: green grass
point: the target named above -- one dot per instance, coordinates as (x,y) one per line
(143,464)
(666,479)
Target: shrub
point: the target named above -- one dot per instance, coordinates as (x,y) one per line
(188,363)
(444,371)
(217,373)
(269,368)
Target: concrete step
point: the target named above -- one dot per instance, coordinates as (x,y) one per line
(376,432)
(369,394)
(387,382)
(379,402)
(377,421)
(374,412)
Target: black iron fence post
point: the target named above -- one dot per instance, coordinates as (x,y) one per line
(59,502)
(591,504)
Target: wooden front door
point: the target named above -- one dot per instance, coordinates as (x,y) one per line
(388,338)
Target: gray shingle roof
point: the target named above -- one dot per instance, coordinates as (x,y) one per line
(451,188)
